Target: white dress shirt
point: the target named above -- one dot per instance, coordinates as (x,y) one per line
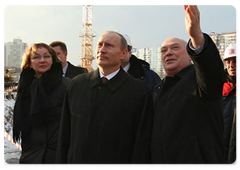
(110,76)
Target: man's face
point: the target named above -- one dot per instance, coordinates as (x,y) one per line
(174,56)
(108,50)
(60,54)
(231,66)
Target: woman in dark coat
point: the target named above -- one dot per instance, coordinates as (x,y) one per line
(38,106)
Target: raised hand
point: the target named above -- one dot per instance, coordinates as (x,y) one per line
(192,23)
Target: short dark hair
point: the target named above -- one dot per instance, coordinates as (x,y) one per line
(61,44)
(129,47)
(123,41)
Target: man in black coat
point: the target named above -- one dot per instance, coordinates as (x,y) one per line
(188,122)
(69,70)
(138,68)
(229,100)
(106,122)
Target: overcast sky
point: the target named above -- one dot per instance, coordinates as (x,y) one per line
(146,25)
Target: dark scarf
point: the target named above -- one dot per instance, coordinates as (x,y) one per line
(32,107)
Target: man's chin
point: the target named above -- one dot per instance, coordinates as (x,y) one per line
(233,74)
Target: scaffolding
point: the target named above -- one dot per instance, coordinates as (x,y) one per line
(87,38)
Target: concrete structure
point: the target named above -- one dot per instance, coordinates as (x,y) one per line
(13,53)
(153,57)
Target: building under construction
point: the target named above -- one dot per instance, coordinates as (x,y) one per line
(87,38)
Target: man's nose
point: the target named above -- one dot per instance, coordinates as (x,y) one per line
(102,49)
(169,52)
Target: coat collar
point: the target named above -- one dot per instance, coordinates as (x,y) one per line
(49,79)
(94,78)
(183,71)
(112,84)
(136,69)
(179,75)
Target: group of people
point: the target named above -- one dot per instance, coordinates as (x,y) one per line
(123,112)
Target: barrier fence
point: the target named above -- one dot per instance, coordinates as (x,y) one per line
(8,137)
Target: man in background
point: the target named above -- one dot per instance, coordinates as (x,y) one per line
(138,68)
(229,98)
(69,70)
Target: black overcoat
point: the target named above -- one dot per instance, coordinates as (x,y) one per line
(73,71)
(141,69)
(188,122)
(38,139)
(106,123)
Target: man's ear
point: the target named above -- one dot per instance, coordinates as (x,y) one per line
(124,53)
(130,54)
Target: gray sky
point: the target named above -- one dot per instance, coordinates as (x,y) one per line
(146,25)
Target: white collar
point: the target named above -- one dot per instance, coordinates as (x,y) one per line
(126,68)
(110,76)
(65,70)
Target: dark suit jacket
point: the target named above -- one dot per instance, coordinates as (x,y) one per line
(106,123)
(188,121)
(73,71)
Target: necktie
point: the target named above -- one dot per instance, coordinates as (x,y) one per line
(104,79)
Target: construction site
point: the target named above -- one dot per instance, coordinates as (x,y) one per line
(11,78)
(86,57)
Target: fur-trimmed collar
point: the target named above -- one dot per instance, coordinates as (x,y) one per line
(136,69)
(50,78)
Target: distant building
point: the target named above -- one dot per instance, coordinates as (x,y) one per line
(223,40)
(144,54)
(153,57)
(156,61)
(13,53)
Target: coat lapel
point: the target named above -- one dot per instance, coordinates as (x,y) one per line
(118,80)
(94,78)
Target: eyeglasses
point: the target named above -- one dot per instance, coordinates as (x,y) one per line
(38,57)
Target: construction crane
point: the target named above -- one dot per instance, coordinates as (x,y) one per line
(87,38)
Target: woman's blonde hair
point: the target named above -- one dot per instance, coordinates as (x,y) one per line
(30,51)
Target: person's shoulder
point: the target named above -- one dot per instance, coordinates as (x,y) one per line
(79,81)
(151,73)
(81,77)
(77,68)
(137,83)
(81,68)
(66,80)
